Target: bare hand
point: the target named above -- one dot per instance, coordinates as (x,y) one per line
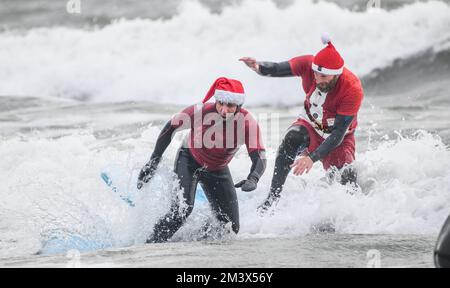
(250,62)
(302,164)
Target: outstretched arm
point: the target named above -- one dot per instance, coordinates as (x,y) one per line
(179,121)
(271,69)
(164,139)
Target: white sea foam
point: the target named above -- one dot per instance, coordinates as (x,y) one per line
(51,188)
(176,60)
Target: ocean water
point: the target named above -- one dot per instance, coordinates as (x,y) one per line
(79,96)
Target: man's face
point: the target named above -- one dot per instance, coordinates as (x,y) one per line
(226,110)
(325,83)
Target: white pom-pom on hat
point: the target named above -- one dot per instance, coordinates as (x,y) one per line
(326,38)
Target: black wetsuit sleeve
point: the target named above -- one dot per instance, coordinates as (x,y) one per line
(271,69)
(335,139)
(163,141)
(259,164)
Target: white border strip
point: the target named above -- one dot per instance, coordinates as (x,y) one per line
(327,71)
(229,97)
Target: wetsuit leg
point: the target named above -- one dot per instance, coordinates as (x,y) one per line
(294,142)
(187,171)
(442,250)
(221,194)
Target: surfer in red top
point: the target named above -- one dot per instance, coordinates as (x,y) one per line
(217,130)
(325,128)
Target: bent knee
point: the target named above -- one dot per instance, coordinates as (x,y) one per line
(296,133)
(296,138)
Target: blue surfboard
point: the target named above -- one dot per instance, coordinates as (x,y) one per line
(128,199)
(62,244)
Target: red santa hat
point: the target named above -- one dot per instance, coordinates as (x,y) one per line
(328,61)
(226,90)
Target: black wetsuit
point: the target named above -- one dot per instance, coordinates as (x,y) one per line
(297,139)
(442,250)
(217,185)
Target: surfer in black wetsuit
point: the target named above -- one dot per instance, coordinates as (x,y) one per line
(208,164)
